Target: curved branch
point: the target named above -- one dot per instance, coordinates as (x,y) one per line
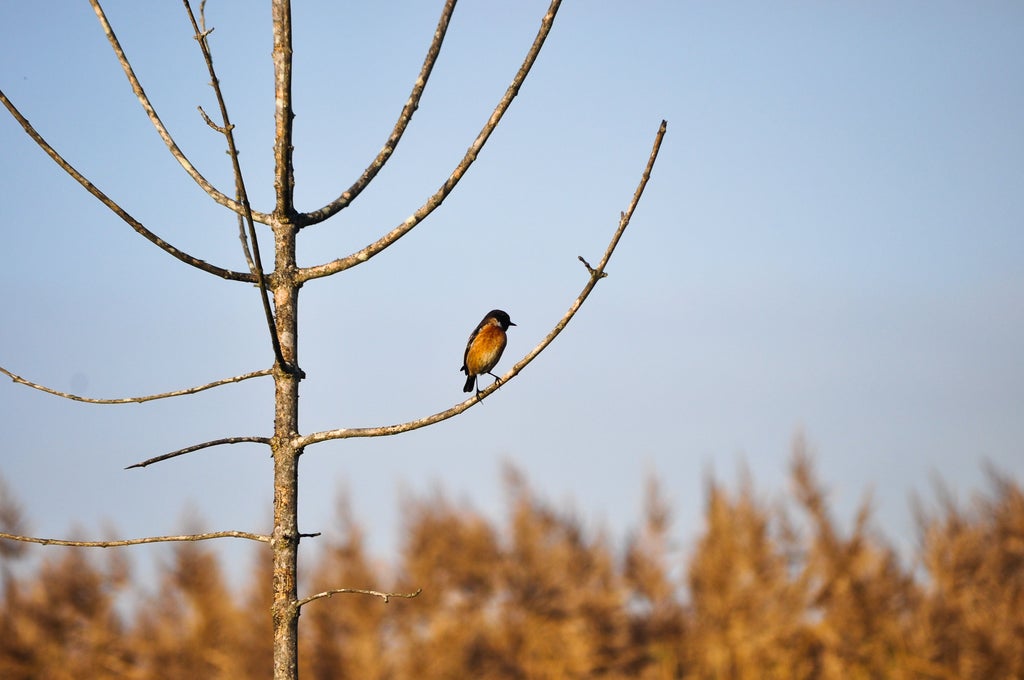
(387,430)
(135,400)
(115,208)
(358,591)
(158,124)
(197,447)
(595,275)
(343,201)
(305,274)
(137,541)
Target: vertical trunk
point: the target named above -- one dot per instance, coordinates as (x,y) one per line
(284,178)
(285,542)
(285,538)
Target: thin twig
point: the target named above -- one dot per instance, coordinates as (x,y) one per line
(135,400)
(591,269)
(411,104)
(357,591)
(118,210)
(161,130)
(595,275)
(137,541)
(197,447)
(227,129)
(209,121)
(441,194)
(244,238)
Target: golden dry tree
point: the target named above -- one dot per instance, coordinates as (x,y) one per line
(746,609)
(861,599)
(971,622)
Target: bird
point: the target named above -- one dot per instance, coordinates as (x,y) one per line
(486,343)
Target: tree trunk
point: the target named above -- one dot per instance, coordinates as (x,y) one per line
(285,538)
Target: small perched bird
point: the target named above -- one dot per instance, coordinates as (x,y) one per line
(486,343)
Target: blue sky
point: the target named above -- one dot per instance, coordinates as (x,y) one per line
(832,242)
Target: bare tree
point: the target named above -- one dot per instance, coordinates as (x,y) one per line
(279,288)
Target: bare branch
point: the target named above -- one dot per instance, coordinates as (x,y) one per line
(118,210)
(197,447)
(388,430)
(137,541)
(161,130)
(434,201)
(596,274)
(227,129)
(626,216)
(404,118)
(357,591)
(135,400)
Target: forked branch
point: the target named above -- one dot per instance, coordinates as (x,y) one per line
(161,130)
(135,400)
(595,274)
(460,170)
(137,541)
(404,117)
(117,209)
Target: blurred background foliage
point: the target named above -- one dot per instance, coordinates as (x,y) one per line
(767,590)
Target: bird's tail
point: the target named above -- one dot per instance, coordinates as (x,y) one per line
(470,382)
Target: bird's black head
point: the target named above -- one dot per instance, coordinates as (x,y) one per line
(501,317)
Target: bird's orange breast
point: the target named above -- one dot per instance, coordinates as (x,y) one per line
(485,349)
